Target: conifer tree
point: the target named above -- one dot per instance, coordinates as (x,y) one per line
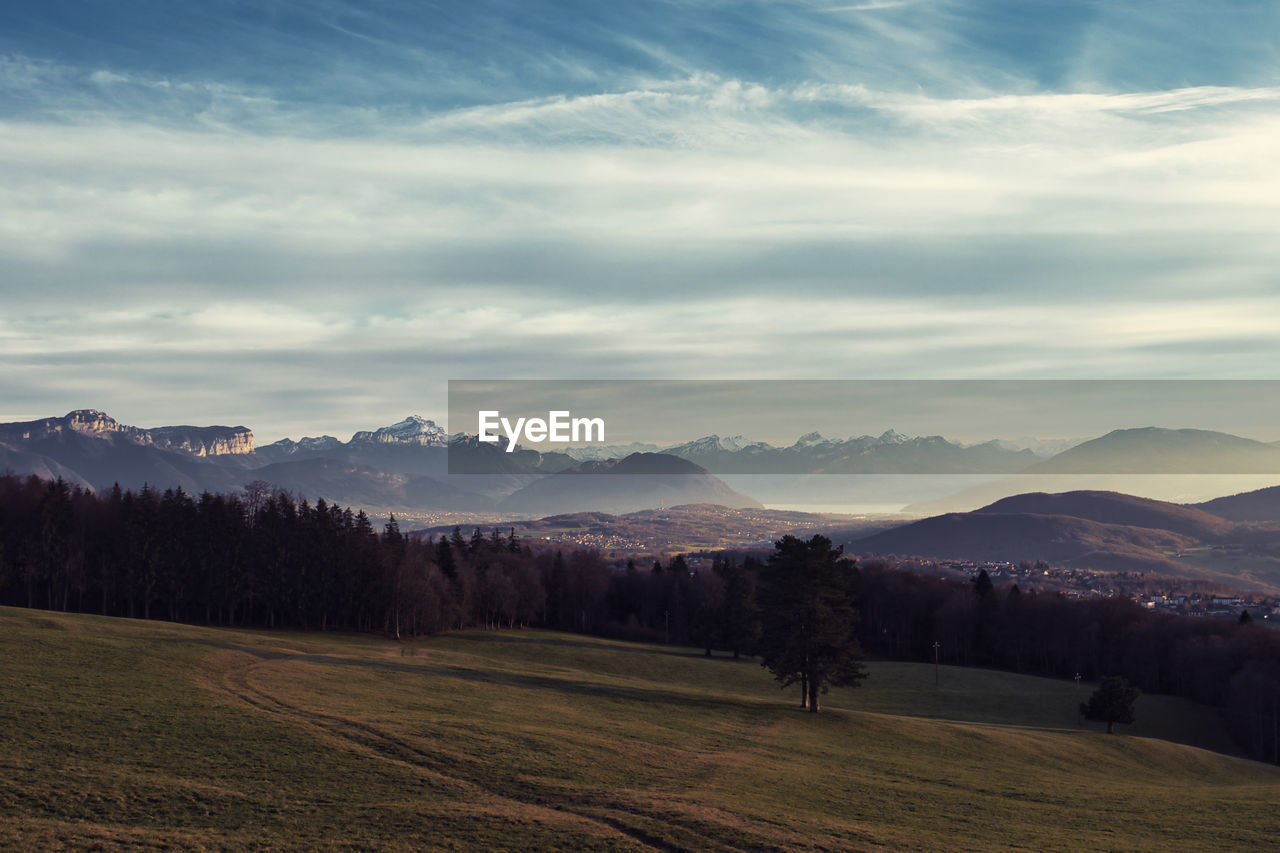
(444,558)
(809,618)
(739,615)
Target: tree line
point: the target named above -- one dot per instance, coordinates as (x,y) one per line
(1230,664)
(265,559)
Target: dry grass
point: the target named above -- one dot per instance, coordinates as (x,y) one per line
(122,734)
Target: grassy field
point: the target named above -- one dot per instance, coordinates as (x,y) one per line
(119,733)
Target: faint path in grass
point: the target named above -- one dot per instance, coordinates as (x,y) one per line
(593,815)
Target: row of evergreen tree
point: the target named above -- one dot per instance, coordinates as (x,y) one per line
(265,559)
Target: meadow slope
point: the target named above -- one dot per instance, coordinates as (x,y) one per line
(119,733)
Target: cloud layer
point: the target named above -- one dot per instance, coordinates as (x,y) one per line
(317,237)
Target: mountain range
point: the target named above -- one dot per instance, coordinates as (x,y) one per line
(888,453)
(412,466)
(416,466)
(1146,450)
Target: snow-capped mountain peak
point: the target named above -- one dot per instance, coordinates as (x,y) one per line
(307,444)
(713,444)
(414,429)
(599,452)
(811,439)
(734,443)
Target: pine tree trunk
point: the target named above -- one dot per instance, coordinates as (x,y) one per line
(1110,727)
(813,696)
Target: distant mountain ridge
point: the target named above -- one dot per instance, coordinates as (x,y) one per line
(1145,450)
(1155,450)
(413,431)
(193,440)
(610,451)
(289,447)
(414,465)
(891,452)
(1106,531)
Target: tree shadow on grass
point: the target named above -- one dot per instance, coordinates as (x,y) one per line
(419,667)
(616,646)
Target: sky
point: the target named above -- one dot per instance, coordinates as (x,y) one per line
(307,217)
(780,411)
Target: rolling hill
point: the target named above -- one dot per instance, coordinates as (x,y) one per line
(1105,531)
(1114,508)
(1260,505)
(1057,539)
(135,735)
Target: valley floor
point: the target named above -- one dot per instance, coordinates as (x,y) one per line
(127,734)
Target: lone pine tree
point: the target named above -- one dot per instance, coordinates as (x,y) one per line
(808,618)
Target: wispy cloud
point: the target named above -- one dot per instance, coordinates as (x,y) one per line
(702,162)
(768,190)
(873,6)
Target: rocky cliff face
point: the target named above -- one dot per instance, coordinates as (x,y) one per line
(83,421)
(93,422)
(195,441)
(204,441)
